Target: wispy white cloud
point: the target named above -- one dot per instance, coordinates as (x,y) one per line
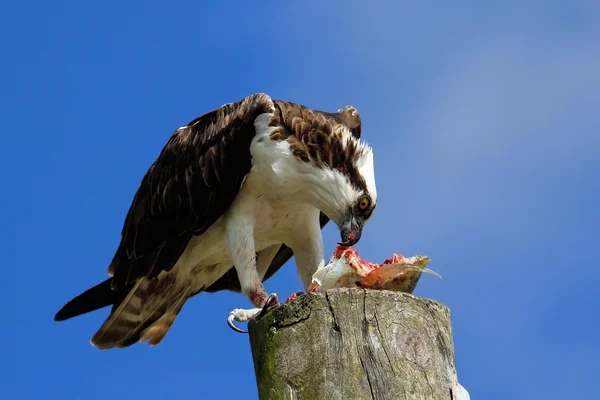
(506,115)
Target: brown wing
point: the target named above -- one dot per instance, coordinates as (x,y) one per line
(191,184)
(299,121)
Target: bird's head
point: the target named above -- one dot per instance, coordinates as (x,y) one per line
(357,199)
(345,189)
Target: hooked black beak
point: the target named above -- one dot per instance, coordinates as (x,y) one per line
(350,230)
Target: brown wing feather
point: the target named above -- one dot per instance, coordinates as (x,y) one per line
(190,185)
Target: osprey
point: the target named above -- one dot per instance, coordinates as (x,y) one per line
(231,197)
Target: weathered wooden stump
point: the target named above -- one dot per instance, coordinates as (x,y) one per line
(355,344)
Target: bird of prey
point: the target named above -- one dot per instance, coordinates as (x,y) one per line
(232,196)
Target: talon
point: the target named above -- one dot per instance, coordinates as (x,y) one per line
(270,303)
(293,296)
(241,315)
(232,325)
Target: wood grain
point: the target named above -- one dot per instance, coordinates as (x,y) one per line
(355,344)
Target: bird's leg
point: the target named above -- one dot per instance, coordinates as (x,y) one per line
(243,315)
(239,240)
(252,286)
(308,250)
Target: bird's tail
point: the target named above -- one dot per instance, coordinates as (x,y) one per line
(97,297)
(145,314)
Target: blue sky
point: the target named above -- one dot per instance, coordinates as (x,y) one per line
(485,127)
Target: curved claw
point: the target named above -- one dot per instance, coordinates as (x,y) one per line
(271,301)
(232,325)
(293,296)
(240,315)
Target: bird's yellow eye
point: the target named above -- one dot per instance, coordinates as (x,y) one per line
(364,203)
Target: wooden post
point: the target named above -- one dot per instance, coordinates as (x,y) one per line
(355,344)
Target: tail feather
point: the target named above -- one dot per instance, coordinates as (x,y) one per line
(145,315)
(97,297)
(156,332)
